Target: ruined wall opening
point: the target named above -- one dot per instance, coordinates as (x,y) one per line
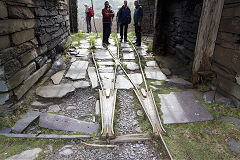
(176,29)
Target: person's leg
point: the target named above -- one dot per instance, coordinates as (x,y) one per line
(121,31)
(138,35)
(117,27)
(90,24)
(109,31)
(87,25)
(104,33)
(135,26)
(125,32)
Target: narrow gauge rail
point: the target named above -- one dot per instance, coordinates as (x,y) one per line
(144,95)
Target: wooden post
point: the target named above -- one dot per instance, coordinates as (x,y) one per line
(207,35)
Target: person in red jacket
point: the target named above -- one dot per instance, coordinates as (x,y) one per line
(108,15)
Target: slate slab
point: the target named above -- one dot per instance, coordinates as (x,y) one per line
(5,130)
(82,52)
(103,69)
(154,73)
(231,120)
(93,77)
(106,63)
(182,107)
(85,45)
(55,91)
(234,145)
(102,54)
(63,123)
(179,82)
(131,66)
(77,70)
(107,80)
(81,84)
(127,50)
(128,56)
(123,83)
(213,96)
(56,78)
(151,64)
(25,121)
(26,155)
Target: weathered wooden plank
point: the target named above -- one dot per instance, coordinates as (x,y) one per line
(207,35)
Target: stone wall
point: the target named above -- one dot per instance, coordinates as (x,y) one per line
(73,14)
(226,58)
(148,16)
(178,21)
(32,32)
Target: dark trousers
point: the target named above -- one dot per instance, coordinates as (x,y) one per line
(89,26)
(106,32)
(118,26)
(125,30)
(138,32)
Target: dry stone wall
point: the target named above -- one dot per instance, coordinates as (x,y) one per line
(226,58)
(32,32)
(148,16)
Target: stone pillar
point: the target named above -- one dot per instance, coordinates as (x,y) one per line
(148,16)
(73,9)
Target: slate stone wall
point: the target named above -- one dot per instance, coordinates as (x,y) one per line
(177,22)
(32,32)
(226,58)
(148,16)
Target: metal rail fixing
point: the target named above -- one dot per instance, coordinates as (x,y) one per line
(146,99)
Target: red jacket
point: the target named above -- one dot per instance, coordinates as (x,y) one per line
(107,15)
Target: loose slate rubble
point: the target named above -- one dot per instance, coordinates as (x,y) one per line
(56,78)
(154,73)
(25,121)
(127,50)
(81,84)
(63,123)
(26,155)
(179,82)
(93,77)
(131,66)
(54,108)
(55,91)
(213,96)
(77,70)
(182,107)
(123,83)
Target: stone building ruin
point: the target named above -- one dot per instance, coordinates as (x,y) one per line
(199,32)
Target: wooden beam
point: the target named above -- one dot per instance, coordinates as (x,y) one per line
(207,35)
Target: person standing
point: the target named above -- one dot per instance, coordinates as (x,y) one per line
(117,20)
(108,15)
(138,15)
(89,14)
(125,20)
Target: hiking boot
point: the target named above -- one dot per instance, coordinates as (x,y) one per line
(121,40)
(125,40)
(138,44)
